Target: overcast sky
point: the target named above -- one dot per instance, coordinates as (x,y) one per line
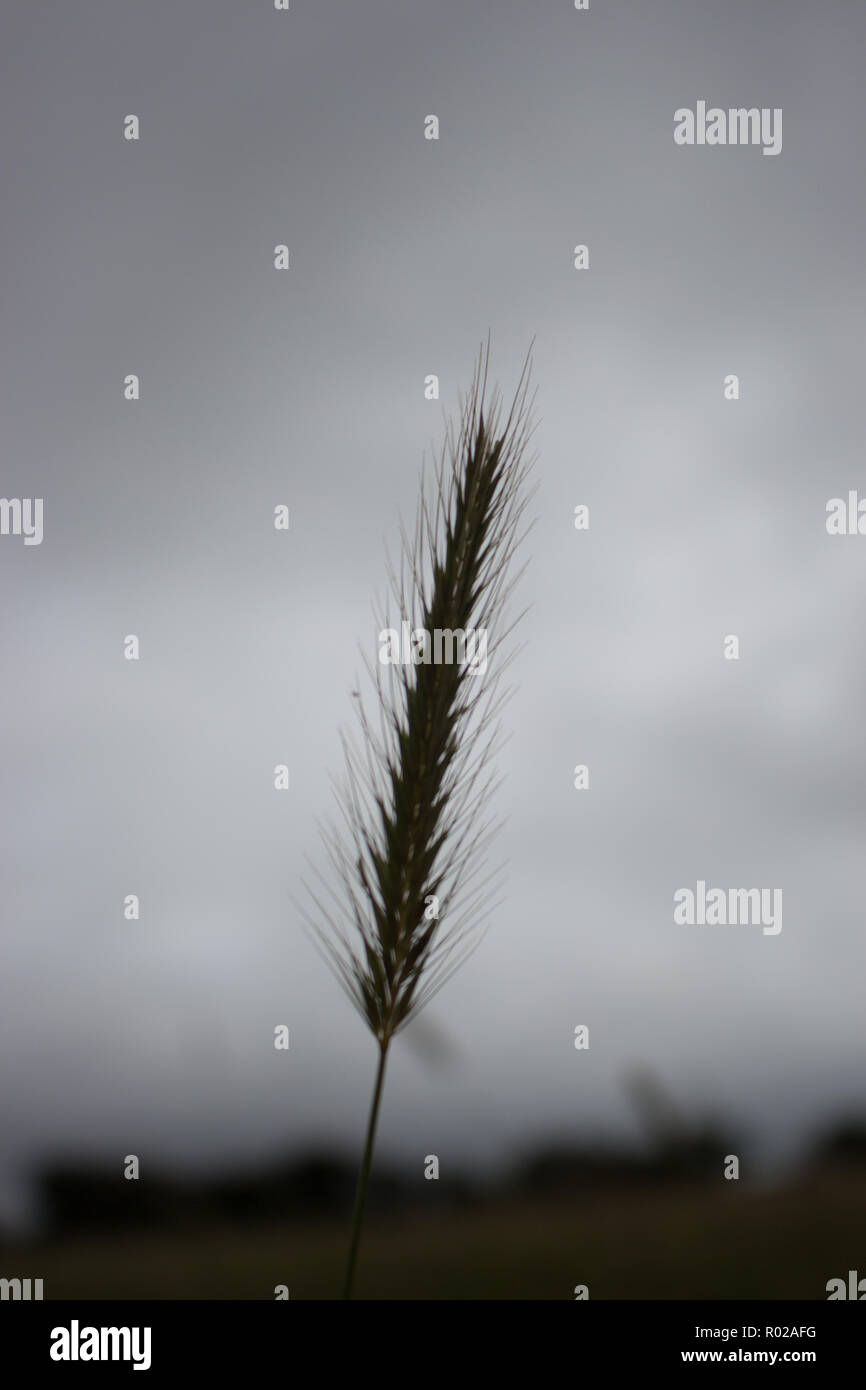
(305,387)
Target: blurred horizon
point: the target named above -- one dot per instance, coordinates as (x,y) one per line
(655,1223)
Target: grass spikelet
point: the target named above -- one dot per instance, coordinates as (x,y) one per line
(406,899)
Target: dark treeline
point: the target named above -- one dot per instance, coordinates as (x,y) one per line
(78,1198)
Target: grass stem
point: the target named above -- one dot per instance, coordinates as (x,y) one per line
(364,1175)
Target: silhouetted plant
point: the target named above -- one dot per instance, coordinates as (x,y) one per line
(407,900)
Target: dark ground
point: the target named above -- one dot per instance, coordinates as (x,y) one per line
(669,1240)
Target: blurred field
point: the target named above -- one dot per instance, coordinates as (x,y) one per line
(718,1241)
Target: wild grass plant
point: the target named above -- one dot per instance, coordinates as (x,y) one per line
(408,892)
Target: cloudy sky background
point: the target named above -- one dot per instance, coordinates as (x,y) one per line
(306,387)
